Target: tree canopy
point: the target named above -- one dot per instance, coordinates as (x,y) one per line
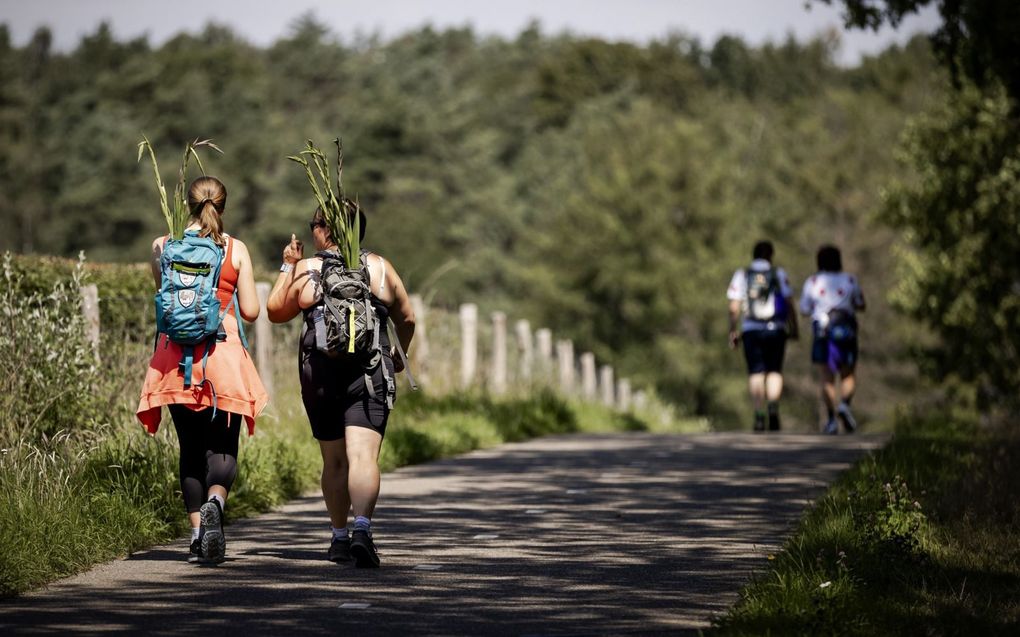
(605,189)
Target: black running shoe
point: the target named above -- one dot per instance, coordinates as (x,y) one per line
(363,550)
(774,421)
(195,554)
(213,545)
(759,422)
(340,550)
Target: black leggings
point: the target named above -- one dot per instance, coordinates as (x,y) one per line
(208,451)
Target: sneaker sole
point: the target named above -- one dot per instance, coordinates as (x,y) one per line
(363,557)
(848,422)
(214,545)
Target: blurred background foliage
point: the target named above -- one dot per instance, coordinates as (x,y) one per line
(605,190)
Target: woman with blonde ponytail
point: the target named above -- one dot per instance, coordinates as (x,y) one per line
(207,415)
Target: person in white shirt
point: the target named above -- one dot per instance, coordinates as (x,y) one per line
(832,299)
(760,306)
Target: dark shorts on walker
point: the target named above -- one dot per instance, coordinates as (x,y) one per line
(336,395)
(835,353)
(764,350)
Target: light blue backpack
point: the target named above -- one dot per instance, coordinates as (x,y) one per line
(187,309)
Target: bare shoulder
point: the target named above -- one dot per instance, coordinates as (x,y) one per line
(374,258)
(308,265)
(239,246)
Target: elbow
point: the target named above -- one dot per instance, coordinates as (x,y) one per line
(250,313)
(276,315)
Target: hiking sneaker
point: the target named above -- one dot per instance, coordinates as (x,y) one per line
(195,554)
(213,546)
(363,550)
(843,411)
(773,422)
(759,422)
(340,550)
(831,427)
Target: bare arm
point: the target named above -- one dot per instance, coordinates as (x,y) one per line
(154,256)
(283,303)
(735,312)
(401,311)
(247,297)
(792,326)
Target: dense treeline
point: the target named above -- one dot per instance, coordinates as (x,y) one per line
(607,190)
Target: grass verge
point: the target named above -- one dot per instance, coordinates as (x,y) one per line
(920,538)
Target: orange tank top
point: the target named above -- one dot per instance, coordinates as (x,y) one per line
(228,276)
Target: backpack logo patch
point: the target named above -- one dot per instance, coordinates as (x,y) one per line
(186,297)
(186,279)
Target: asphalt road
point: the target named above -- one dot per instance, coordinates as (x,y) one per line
(571,535)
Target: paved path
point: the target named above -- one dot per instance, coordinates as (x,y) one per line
(571,535)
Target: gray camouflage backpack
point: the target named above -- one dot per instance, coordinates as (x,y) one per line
(346,324)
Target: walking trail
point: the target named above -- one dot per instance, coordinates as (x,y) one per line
(565,535)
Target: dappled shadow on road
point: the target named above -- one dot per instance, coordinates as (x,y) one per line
(635,534)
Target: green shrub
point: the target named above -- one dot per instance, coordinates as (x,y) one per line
(48,369)
(125,290)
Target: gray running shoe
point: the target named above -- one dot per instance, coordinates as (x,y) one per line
(831,427)
(195,553)
(843,411)
(363,550)
(213,546)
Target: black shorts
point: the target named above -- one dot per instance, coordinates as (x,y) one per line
(336,395)
(764,350)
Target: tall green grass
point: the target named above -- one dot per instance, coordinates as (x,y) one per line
(342,215)
(176,212)
(921,538)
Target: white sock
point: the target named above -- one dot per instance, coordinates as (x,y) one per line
(339,534)
(221,501)
(195,532)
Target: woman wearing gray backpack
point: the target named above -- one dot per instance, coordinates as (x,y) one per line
(347,398)
(209,382)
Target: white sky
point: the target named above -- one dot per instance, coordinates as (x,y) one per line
(262,21)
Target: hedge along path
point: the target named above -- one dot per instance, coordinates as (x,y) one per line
(613,534)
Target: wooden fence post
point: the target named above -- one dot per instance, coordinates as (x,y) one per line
(607,385)
(640,400)
(623,394)
(524,350)
(565,358)
(498,379)
(420,343)
(588,376)
(468,344)
(90,309)
(264,339)
(543,339)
